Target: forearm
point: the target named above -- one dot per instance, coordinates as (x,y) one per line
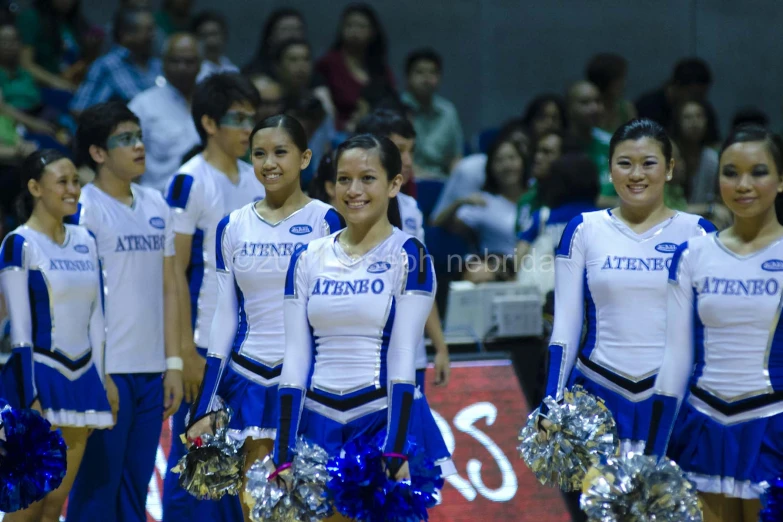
(446,217)
(434,330)
(172,317)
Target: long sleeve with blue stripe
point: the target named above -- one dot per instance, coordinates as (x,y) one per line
(672,381)
(224,323)
(14,270)
(569,307)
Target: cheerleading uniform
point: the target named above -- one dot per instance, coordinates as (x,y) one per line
(246,356)
(413,224)
(617,278)
(723,368)
(132,243)
(352,326)
(200,196)
(57,328)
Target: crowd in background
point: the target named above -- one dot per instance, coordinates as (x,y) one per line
(484,199)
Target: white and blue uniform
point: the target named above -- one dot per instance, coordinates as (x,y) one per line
(52,292)
(352,326)
(200,196)
(133,241)
(246,355)
(723,367)
(617,279)
(413,224)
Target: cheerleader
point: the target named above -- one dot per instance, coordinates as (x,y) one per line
(724,355)
(253,247)
(400,131)
(133,229)
(610,266)
(206,189)
(355,307)
(50,275)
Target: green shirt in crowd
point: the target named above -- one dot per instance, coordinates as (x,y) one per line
(19,89)
(47,55)
(598,150)
(526,205)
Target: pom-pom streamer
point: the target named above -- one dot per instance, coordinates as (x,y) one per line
(301,498)
(772,501)
(361,489)
(582,431)
(639,488)
(213,465)
(33,458)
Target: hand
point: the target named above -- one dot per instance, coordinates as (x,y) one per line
(404,473)
(25,148)
(193,373)
(442,368)
(475,199)
(43,127)
(285,479)
(172,392)
(113,396)
(543,429)
(203,426)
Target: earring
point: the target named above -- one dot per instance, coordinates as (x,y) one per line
(668,178)
(780,189)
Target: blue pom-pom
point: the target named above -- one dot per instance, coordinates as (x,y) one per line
(361,490)
(773,502)
(32,459)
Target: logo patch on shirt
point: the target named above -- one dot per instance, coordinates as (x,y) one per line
(300,230)
(772,265)
(82,249)
(379,267)
(410,223)
(666,248)
(158,223)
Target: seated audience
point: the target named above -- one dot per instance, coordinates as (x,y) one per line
(689,132)
(608,72)
(271,93)
(164,111)
(547,149)
(293,69)
(211,29)
(128,69)
(356,67)
(543,114)
(750,116)
(174,16)
(439,138)
(487,218)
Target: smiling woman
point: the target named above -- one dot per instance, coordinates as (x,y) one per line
(723,366)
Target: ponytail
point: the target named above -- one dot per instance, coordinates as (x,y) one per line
(393,213)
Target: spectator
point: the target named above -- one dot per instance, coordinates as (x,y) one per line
(174,16)
(355,69)
(543,114)
(271,93)
(488,217)
(608,72)
(164,111)
(691,80)
(283,24)
(20,101)
(585,110)
(750,116)
(159,39)
(318,125)
(52,34)
(469,174)
(547,149)
(573,189)
(293,69)
(438,130)
(128,69)
(701,162)
(212,31)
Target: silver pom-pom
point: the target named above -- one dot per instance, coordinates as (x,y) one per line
(305,501)
(638,488)
(582,430)
(213,465)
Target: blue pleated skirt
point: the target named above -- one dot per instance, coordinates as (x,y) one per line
(730,460)
(632,418)
(332,435)
(76,403)
(254,406)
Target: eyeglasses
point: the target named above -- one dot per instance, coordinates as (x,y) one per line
(124,139)
(240,120)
